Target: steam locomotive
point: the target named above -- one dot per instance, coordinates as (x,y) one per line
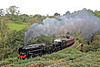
(40,49)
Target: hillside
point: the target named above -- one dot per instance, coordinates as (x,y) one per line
(12,34)
(68,57)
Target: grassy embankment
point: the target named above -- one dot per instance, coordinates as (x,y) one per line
(71,57)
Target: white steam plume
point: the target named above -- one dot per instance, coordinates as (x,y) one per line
(82,22)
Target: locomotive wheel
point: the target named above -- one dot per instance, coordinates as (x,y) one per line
(58,48)
(23,58)
(61,48)
(51,52)
(28,56)
(55,50)
(40,55)
(33,55)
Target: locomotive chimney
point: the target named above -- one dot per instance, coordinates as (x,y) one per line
(53,37)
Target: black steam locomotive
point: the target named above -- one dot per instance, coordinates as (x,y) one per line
(40,49)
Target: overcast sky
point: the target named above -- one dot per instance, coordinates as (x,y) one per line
(45,7)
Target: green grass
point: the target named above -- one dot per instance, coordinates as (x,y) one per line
(91,59)
(48,59)
(14,26)
(77,58)
(7,61)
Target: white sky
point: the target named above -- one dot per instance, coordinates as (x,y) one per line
(50,7)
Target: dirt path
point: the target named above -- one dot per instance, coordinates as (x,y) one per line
(58,64)
(52,65)
(5,65)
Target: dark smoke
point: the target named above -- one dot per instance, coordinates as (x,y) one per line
(82,22)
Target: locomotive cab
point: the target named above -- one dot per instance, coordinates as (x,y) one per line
(57,41)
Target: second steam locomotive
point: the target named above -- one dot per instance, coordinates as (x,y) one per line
(40,49)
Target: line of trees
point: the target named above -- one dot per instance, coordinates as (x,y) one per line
(13,13)
(96,12)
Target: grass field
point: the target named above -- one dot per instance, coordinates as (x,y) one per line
(71,57)
(48,59)
(14,26)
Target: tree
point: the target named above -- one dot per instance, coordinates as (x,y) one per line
(1,12)
(24,18)
(13,10)
(56,14)
(38,17)
(3,31)
(18,12)
(97,13)
(84,9)
(90,10)
(68,12)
